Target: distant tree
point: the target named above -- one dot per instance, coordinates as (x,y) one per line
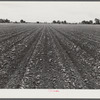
(38,22)
(1,21)
(90,22)
(97,21)
(15,22)
(22,21)
(65,22)
(7,21)
(83,22)
(58,22)
(62,22)
(54,21)
(87,22)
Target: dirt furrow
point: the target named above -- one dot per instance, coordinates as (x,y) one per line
(9,32)
(10,61)
(72,76)
(86,44)
(28,75)
(47,56)
(83,62)
(15,79)
(13,35)
(46,69)
(6,45)
(41,72)
(12,43)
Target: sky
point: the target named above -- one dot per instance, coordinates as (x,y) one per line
(49,11)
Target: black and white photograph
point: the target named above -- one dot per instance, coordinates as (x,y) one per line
(49,45)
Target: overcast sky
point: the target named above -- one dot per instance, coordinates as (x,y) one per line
(49,11)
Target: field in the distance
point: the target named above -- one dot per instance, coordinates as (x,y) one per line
(48,56)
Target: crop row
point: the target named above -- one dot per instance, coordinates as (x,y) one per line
(49,56)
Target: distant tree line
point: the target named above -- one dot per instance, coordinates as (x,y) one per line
(87,22)
(4,21)
(8,21)
(59,22)
(21,21)
(96,21)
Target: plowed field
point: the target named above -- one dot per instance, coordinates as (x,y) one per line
(48,56)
